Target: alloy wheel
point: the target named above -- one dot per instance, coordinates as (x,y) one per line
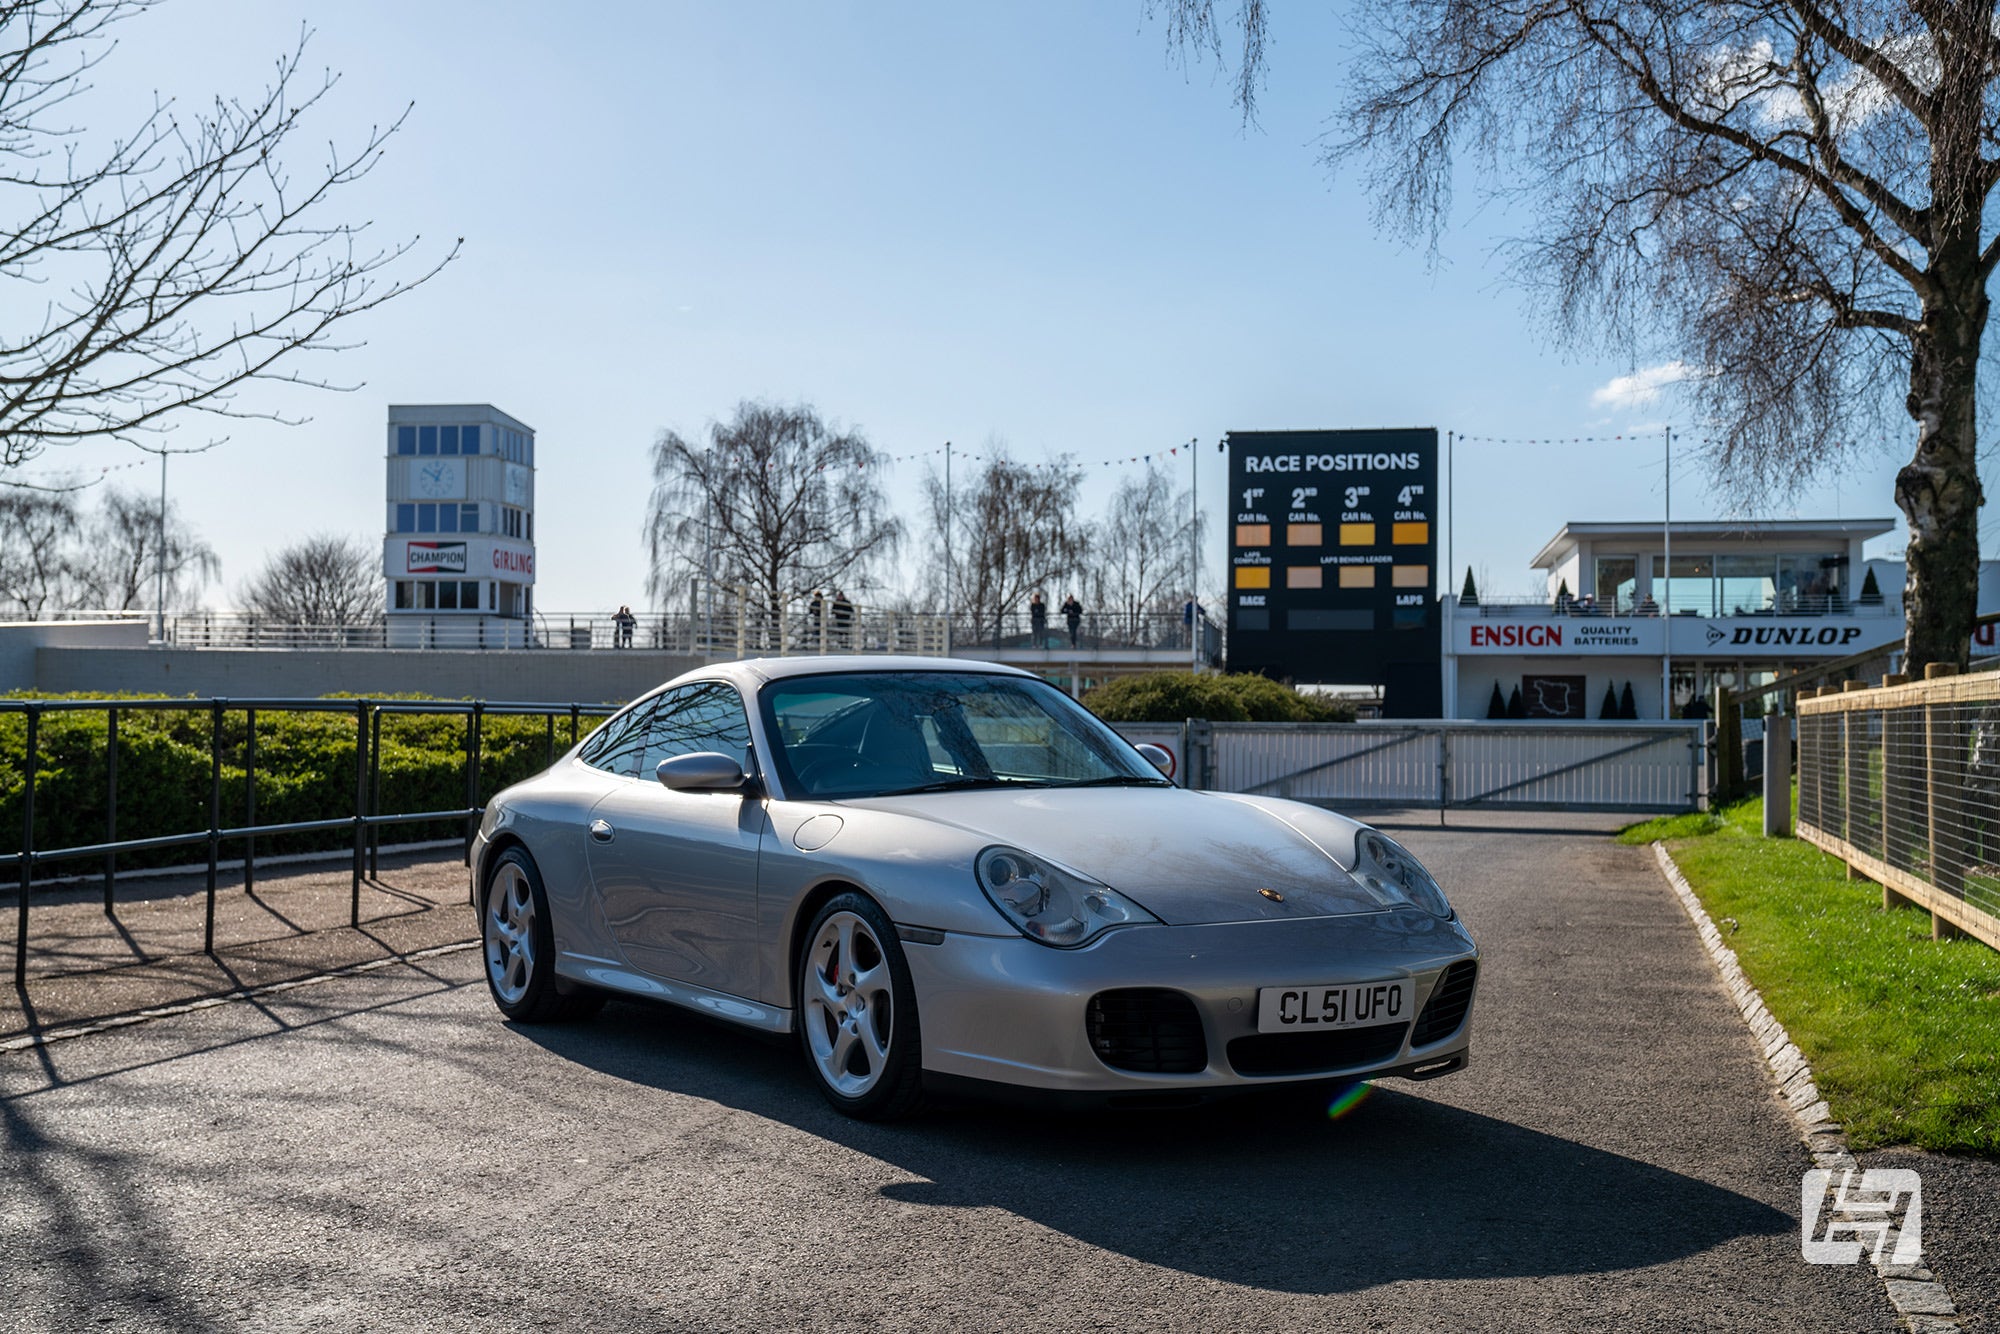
(849,1005)
(510,934)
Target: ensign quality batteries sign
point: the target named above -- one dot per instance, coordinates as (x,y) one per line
(1333,560)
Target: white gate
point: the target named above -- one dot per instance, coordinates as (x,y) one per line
(1570,766)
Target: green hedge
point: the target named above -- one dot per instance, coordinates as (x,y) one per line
(1170,697)
(305,771)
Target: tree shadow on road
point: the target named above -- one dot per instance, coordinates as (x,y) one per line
(1265,1191)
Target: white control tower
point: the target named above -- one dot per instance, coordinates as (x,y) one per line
(459,556)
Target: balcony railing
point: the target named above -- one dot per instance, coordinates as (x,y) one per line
(734,632)
(1684,604)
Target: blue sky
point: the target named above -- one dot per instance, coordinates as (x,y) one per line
(1023,222)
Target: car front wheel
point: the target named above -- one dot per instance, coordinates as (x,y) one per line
(857,1012)
(519,946)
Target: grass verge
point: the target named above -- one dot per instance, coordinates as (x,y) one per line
(1902,1031)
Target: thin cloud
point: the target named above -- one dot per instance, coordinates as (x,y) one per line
(1625,392)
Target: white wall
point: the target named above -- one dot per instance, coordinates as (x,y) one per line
(20,641)
(529,676)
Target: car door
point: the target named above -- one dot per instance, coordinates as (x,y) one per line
(676,872)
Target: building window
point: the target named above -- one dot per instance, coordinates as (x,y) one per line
(447,518)
(1692,589)
(406,439)
(468,440)
(513,446)
(1811,584)
(468,518)
(1617,583)
(427,440)
(406,519)
(1747,584)
(448,440)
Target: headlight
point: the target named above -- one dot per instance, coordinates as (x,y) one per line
(1052,906)
(1387,870)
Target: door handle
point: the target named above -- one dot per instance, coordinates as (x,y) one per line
(602,831)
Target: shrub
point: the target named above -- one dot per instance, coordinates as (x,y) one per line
(304,772)
(1171,697)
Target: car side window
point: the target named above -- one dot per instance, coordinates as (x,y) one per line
(706,716)
(616,746)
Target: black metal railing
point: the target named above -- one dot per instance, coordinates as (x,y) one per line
(366,819)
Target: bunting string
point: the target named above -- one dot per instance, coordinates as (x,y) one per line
(1177,452)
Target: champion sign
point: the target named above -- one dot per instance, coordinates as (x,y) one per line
(437,558)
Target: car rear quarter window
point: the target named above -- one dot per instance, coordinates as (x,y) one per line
(616,746)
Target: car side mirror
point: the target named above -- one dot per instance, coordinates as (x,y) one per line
(703,771)
(1158,756)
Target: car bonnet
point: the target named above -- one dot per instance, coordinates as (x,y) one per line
(1187,857)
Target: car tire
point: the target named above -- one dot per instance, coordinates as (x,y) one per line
(857,1012)
(517,944)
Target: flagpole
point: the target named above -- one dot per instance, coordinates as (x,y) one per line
(948,562)
(1666,600)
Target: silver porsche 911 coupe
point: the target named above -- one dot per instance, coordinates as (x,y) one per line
(938,872)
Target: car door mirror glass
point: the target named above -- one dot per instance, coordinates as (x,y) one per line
(702,771)
(1157,756)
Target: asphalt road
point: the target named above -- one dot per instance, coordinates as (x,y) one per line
(383,1152)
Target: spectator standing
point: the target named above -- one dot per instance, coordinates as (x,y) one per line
(1072,611)
(624,622)
(1038,620)
(843,619)
(816,618)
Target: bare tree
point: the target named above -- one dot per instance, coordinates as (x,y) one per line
(327,579)
(1141,563)
(776,499)
(173,265)
(1013,529)
(38,556)
(122,549)
(1788,195)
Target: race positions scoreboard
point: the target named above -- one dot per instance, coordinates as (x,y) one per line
(1333,561)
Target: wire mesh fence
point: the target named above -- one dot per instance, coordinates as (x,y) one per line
(1903,783)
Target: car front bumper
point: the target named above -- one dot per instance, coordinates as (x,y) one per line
(1007,1010)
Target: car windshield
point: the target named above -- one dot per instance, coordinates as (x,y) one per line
(877,734)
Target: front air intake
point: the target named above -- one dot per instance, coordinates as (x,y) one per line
(1446,1009)
(1148,1030)
(1316,1053)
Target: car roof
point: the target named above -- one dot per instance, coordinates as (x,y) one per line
(750,673)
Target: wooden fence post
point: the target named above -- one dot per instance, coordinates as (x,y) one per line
(1728,747)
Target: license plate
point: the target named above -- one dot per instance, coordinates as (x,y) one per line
(1310,1009)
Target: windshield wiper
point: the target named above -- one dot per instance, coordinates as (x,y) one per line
(957,784)
(1119,780)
